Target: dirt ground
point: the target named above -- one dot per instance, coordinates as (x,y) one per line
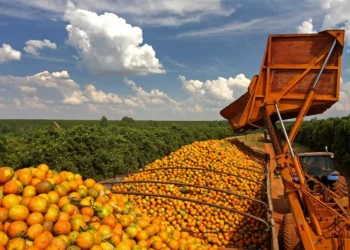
(279,201)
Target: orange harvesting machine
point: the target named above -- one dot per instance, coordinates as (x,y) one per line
(299,77)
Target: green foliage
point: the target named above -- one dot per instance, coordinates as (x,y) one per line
(104,121)
(100,152)
(331,132)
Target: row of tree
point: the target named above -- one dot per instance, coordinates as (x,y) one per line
(101,152)
(332,132)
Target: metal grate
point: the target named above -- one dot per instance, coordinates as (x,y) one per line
(281,78)
(299,50)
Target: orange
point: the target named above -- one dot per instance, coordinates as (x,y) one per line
(42,241)
(13,187)
(73,236)
(3,214)
(62,227)
(34,231)
(6,174)
(58,244)
(173,244)
(104,230)
(25,201)
(64,216)
(85,240)
(3,239)
(89,183)
(52,214)
(18,212)
(38,204)
(54,197)
(43,167)
(125,221)
(17,228)
(35,218)
(29,191)
(16,243)
(78,222)
(25,178)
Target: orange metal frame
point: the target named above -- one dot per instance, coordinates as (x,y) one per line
(299,76)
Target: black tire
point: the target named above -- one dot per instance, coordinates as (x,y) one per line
(291,239)
(340,187)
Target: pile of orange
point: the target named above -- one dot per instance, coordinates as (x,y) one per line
(216,172)
(44,209)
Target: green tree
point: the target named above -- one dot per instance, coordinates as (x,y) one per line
(103,121)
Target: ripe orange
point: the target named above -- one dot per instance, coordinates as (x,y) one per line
(16,243)
(3,214)
(6,174)
(18,212)
(17,228)
(3,239)
(38,204)
(25,178)
(42,241)
(62,227)
(35,218)
(85,240)
(34,231)
(89,183)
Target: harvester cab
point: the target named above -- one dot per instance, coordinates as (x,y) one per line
(318,165)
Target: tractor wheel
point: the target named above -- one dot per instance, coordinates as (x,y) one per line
(291,239)
(340,187)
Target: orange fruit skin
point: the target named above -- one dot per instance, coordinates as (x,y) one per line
(6,174)
(17,228)
(62,227)
(10,200)
(38,204)
(18,212)
(13,187)
(3,214)
(34,231)
(25,178)
(35,218)
(85,240)
(16,243)
(42,241)
(4,239)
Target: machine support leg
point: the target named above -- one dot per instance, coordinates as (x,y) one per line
(297,167)
(271,131)
(303,227)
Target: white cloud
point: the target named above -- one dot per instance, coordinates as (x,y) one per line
(62,74)
(7,53)
(98,96)
(221,89)
(33,46)
(16,102)
(29,103)
(154,12)
(27,89)
(33,103)
(77,97)
(107,45)
(92,108)
(306,27)
(337,15)
(59,81)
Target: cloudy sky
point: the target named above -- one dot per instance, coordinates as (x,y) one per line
(148,59)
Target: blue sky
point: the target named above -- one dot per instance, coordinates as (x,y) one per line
(148,59)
